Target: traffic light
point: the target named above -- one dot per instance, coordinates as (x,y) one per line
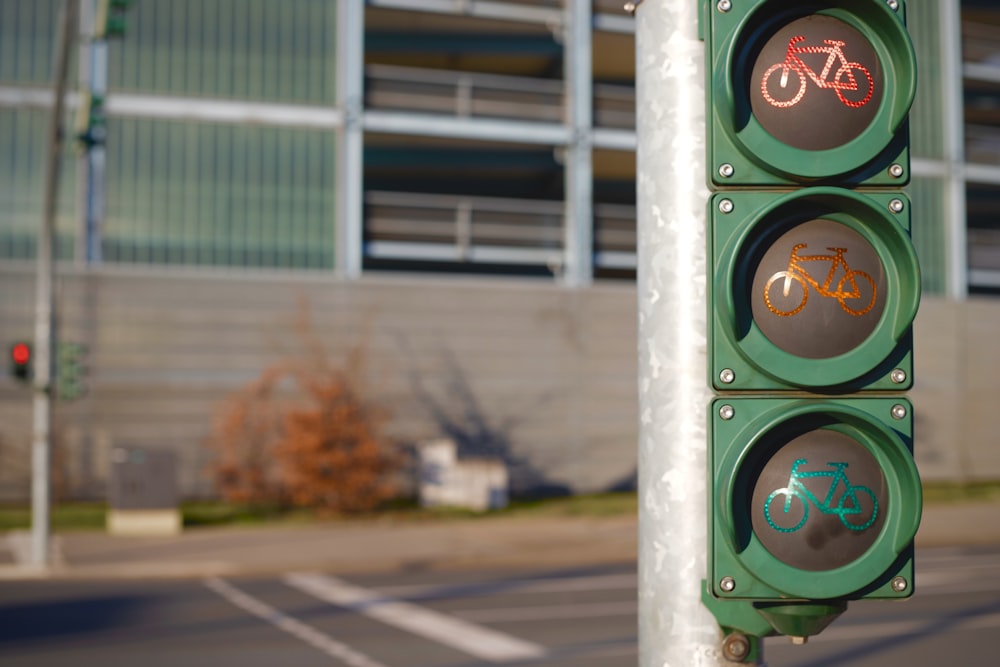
(71,371)
(813,289)
(111,18)
(20,361)
(91,120)
(809,92)
(815,503)
(813,286)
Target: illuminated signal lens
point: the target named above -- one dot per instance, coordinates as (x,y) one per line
(20,353)
(20,361)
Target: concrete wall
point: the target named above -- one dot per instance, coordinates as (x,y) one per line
(540,375)
(956,392)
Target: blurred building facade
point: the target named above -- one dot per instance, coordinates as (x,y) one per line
(451,182)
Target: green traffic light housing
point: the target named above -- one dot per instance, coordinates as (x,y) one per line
(815,289)
(92,121)
(71,370)
(808,92)
(813,286)
(815,502)
(113,12)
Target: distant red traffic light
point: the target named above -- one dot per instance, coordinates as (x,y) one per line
(20,361)
(20,353)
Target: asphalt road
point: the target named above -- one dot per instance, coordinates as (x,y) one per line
(584,617)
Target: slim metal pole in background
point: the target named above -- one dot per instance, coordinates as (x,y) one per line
(674,628)
(41,441)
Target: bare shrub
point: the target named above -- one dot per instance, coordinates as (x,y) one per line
(246,428)
(304,434)
(332,454)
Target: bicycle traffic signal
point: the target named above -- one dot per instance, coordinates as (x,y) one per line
(806,92)
(813,505)
(813,287)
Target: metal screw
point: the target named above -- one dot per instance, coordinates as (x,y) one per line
(898,375)
(893,5)
(727,412)
(735,647)
(899,411)
(900,584)
(896,170)
(896,205)
(728,584)
(727,376)
(726,170)
(724,5)
(726,205)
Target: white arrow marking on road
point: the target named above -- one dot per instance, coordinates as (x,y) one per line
(475,640)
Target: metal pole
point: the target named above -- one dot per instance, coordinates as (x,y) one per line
(674,628)
(91,170)
(83,158)
(579,173)
(350,139)
(41,445)
(955,235)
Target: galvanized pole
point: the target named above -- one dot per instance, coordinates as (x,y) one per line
(95,172)
(674,628)
(350,137)
(953,116)
(41,445)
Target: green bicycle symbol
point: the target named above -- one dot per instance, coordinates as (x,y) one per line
(783,504)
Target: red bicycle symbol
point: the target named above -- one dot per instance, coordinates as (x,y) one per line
(844,79)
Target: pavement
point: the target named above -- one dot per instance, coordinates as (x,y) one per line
(392,545)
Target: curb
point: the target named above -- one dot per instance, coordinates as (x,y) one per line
(381,546)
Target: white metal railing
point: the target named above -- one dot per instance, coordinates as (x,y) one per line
(982,144)
(463,93)
(477,94)
(610,15)
(614,236)
(413,226)
(984,257)
(547,12)
(981,42)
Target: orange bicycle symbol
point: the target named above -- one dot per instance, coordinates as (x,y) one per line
(847,286)
(776,89)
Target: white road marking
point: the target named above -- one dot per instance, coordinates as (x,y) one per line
(480,642)
(298,629)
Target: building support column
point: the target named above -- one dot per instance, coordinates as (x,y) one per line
(578,253)
(350,138)
(956,219)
